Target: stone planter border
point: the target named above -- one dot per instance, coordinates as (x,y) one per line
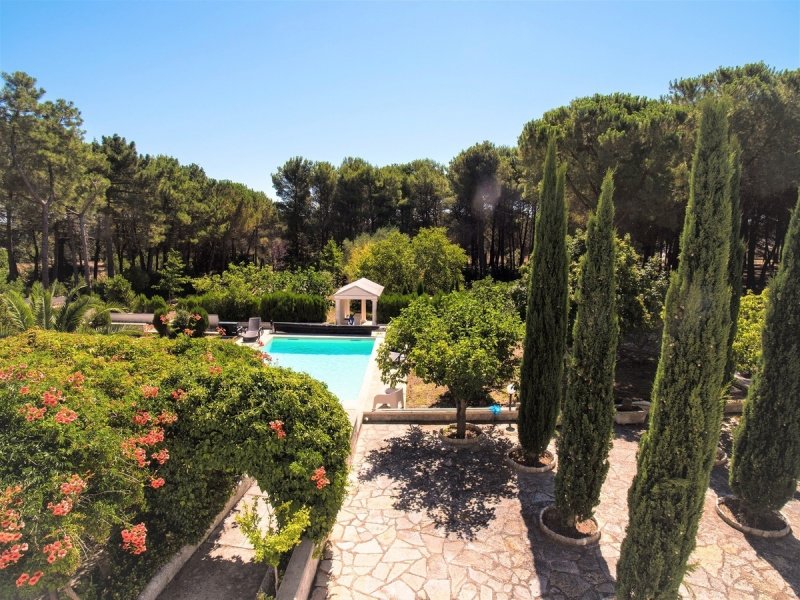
(633,417)
(562,539)
(763,533)
(526,469)
(733,406)
(466,442)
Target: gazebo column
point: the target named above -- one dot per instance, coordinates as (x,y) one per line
(374,311)
(340,316)
(363,310)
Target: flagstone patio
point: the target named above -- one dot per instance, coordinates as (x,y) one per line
(422,521)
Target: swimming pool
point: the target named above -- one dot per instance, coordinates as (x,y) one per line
(339,362)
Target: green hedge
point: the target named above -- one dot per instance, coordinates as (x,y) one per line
(229,306)
(390,305)
(275,306)
(224,400)
(295,308)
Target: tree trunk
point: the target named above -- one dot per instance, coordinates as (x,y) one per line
(35,256)
(96,257)
(13,271)
(752,240)
(46,245)
(84,249)
(461,418)
(109,246)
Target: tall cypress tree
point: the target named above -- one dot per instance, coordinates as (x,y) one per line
(541,378)
(588,418)
(736,264)
(766,449)
(676,454)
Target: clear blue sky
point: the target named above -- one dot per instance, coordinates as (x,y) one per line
(239,87)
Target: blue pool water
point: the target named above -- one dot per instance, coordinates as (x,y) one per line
(339,362)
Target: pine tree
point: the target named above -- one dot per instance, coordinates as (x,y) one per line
(676,454)
(766,449)
(736,264)
(588,418)
(541,378)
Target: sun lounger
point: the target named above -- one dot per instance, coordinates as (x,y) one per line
(253,330)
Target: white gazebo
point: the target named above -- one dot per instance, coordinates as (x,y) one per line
(362,289)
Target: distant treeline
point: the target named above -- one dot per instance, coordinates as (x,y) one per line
(73,206)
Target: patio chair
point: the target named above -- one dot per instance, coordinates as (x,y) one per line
(253,330)
(393,398)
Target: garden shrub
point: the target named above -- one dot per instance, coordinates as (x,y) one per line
(143,304)
(297,308)
(79,414)
(116,291)
(747,343)
(191,320)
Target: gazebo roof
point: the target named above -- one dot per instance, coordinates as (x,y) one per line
(359,289)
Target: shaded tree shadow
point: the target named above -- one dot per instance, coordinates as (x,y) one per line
(212,576)
(630,433)
(456,488)
(782,553)
(563,571)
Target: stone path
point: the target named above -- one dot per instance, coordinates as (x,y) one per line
(223,567)
(422,521)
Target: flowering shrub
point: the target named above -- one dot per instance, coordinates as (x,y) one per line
(131,459)
(191,321)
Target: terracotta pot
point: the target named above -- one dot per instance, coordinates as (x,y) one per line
(562,539)
(526,469)
(466,442)
(764,533)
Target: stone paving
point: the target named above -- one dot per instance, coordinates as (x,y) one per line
(423,521)
(223,566)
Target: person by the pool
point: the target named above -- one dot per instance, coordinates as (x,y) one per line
(351,319)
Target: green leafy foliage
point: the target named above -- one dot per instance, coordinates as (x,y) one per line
(640,288)
(283,532)
(736,262)
(466,342)
(750,323)
(677,452)
(172,278)
(541,376)
(117,291)
(588,418)
(215,408)
(766,449)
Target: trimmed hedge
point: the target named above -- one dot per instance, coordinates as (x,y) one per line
(229,306)
(390,305)
(98,407)
(275,306)
(295,308)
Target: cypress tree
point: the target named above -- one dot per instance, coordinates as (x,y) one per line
(766,449)
(676,454)
(541,377)
(588,418)
(736,264)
